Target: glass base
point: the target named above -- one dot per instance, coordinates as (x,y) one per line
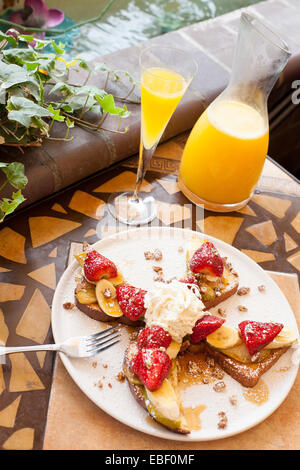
(211,206)
(132,210)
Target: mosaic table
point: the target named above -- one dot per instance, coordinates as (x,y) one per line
(40,405)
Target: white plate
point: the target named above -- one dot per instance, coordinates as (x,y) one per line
(127,249)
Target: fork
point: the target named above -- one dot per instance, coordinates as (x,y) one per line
(79,346)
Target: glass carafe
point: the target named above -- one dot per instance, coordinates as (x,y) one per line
(225,152)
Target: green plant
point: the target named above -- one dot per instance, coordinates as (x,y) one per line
(35,91)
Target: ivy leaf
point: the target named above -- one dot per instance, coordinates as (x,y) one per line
(107,103)
(7,206)
(22,110)
(9,38)
(59,48)
(14,173)
(55,114)
(11,74)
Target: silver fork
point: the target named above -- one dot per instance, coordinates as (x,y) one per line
(79,346)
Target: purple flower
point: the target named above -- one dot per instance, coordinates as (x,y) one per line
(35,14)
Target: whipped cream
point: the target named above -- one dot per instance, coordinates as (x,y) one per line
(175,307)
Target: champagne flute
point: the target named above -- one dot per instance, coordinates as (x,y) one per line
(166,73)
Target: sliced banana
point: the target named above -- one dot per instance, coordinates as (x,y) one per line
(285,338)
(106,297)
(224,337)
(173,349)
(116,281)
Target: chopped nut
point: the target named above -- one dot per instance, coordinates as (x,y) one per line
(100,384)
(158,279)
(105,366)
(68,305)
(94,364)
(219,386)
(222,312)
(148,255)
(109,384)
(157,269)
(261,288)
(120,377)
(210,361)
(157,255)
(242,308)
(233,400)
(243,291)
(218,373)
(180,249)
(85,246)
(223,420)
(107,293)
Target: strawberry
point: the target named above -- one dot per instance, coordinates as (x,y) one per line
(152,367)
(131,301)
(205,326)
(189,280)
(154,337)
(257,335)
(96,266)
(207,260)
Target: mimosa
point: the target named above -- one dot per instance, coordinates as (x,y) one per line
(225,153)
(161,91)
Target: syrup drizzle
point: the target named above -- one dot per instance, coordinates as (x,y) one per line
(258,394)
(192,416)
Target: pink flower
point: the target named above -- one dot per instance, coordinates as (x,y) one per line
(35,14)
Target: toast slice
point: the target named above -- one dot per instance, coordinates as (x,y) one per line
(213,290)
(93,310)
(145,399)
(247,374)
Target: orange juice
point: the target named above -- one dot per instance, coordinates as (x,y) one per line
(161,91)
(225,153)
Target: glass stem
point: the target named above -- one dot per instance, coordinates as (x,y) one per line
(145,156)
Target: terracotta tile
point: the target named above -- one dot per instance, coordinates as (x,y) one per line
(290,244)
(10,292)
(170,186)
(41,356)
(46,275)
(222,227)
(263,232)
(169,150)
(259,256)
(4,270)
(12,245)
(2,383)
(45,229)
(247,211)
(172,213)
(4,332)
(23,378)
(53,253)
(87,204)
(295,260)
(35,321)
(296,222)
(121,183)
(8,414)
(20,440)
(90,233)
(58,208)
(274,205)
